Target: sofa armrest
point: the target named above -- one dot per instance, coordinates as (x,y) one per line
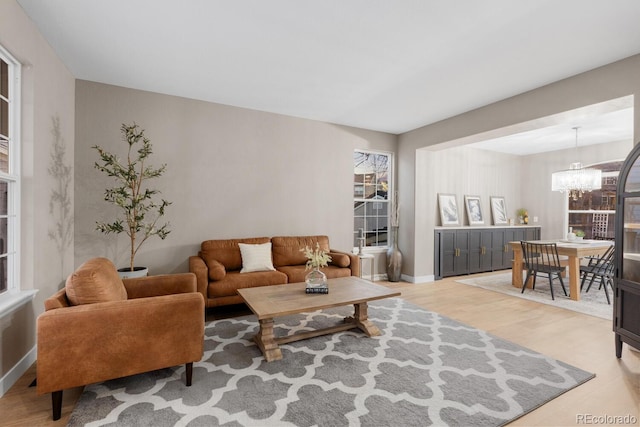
(354,262)
(198,267)
(164,284)
(90,343)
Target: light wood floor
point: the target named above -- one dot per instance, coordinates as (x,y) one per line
(586,342)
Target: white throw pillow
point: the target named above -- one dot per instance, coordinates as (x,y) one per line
(256,257)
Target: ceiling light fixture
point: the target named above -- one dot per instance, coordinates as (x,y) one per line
(576,180)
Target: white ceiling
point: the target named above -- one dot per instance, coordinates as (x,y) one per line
(391,66)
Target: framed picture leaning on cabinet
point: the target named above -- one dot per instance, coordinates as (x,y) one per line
(448,209)
(474,210)
(499,211)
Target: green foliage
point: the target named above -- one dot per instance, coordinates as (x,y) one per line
(579,233)
(140,209)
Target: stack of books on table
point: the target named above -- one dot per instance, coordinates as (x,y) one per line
(317,290)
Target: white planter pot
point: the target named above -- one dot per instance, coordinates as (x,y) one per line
(126,273)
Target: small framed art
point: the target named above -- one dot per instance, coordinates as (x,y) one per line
(474,210)
(448,209)
(499,211)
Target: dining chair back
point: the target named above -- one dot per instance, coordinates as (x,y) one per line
(542,258)
(601,268)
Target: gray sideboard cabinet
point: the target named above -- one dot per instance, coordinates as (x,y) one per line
(466,250)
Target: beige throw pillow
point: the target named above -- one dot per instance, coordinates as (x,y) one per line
(256,257)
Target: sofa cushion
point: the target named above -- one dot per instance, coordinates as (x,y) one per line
(235,280)
(96,280)
(227,252)
(286,249)
(256,257)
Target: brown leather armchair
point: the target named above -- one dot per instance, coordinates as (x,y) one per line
(100,327)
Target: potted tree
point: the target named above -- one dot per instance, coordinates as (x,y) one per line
(139,208)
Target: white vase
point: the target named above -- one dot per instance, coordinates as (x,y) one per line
(126,273)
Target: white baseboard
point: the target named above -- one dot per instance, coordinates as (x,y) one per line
(418,279)
(406,278)
(17,371)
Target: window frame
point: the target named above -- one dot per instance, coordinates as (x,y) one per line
(388,200)
(13,296)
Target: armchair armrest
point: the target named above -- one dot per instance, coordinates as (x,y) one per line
(164,284)
(90,343)
(198,267)
(354,263)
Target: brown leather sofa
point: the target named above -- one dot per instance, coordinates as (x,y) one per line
(219,263)
(100,327)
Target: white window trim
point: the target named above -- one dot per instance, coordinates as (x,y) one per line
(14,297)
(381,249)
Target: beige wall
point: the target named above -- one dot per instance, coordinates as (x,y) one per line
(499,119)
(47,92)
(231,172)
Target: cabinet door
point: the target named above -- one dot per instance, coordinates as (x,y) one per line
(453,257)
(461,261)
(626,308)
(510,235)
(480,250)
(498,249)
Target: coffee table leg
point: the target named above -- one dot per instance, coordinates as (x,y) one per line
(266,341)
(361,320)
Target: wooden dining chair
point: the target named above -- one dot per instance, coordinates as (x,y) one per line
(542,258)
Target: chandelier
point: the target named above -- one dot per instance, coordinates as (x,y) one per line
(577,179)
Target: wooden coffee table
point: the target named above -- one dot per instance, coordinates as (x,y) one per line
(268,302)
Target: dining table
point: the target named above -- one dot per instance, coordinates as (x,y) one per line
(573,250)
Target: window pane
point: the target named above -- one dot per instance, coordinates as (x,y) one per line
(594,212)
(595,225)
(3,254)
(3,274)
(633,179)
(631,249)
(4,202)
(4,155)
(4,79)
(4,116)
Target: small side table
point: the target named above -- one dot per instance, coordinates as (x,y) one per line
(372,261)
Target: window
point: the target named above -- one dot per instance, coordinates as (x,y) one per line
(9,174)
(595,211)
(371,187)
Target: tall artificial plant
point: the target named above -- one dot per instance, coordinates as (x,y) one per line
(138,204)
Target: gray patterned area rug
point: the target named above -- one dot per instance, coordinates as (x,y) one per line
(425,369)
(593,303)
